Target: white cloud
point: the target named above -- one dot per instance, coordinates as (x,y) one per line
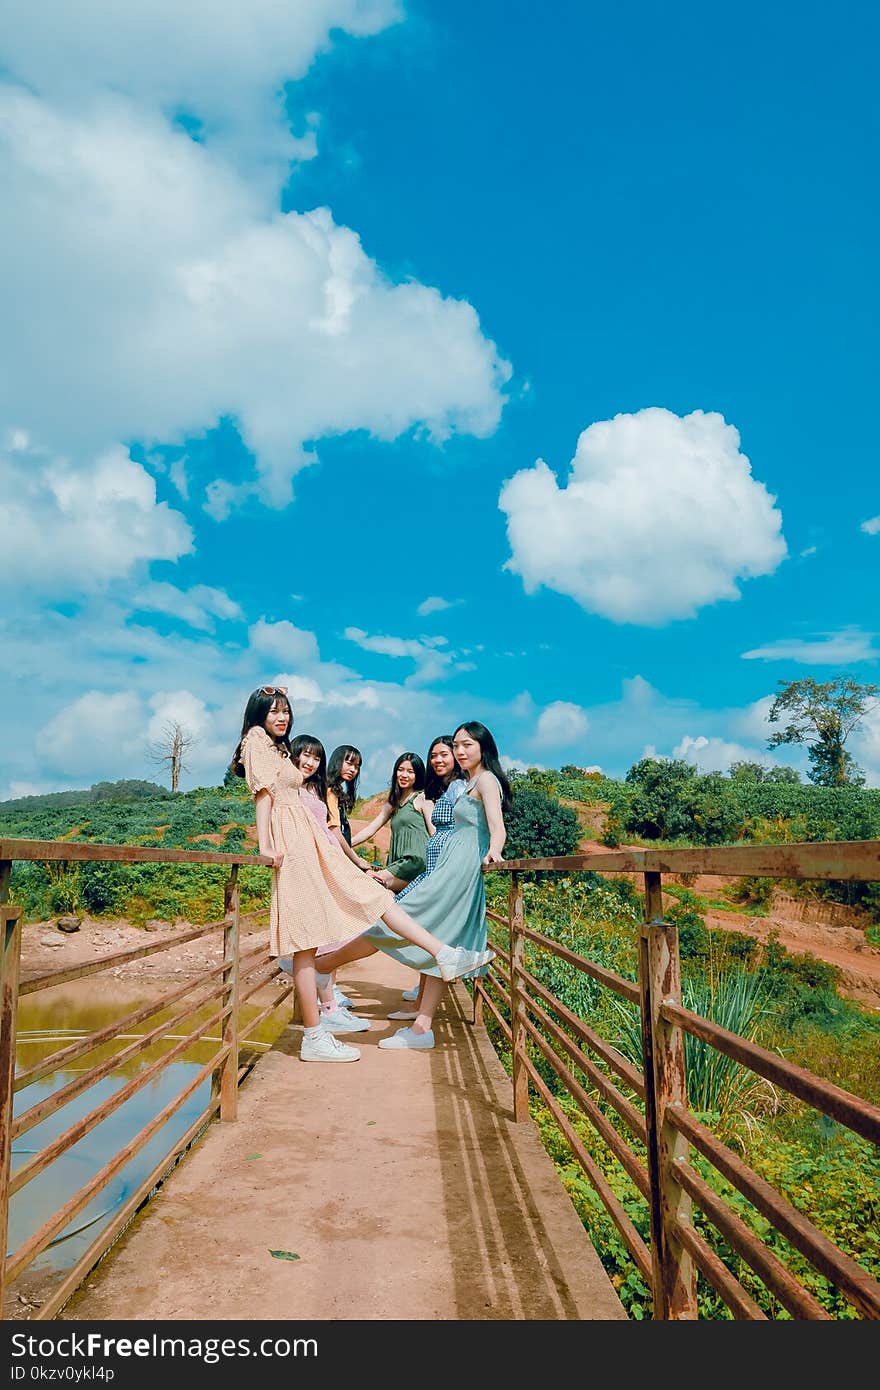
(810,550)
(286,644)
(754,721)
(69,530)
(198,607)
(712,754)
(220,63)
(561,723)
(435,604)
(660,515)
(97,733)
(156,288)
(871,526)
(830,649)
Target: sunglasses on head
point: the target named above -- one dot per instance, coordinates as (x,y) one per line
(273,689)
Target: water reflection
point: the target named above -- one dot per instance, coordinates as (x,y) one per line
(52,1018)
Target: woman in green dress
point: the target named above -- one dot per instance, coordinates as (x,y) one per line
(405,809)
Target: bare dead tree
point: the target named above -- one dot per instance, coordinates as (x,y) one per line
(169,748)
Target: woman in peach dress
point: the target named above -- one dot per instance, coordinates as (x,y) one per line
(318,896)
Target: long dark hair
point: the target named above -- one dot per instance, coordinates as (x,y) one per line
(434,785)
(489,756)
(256,712)
(307,743)
(395,795)
(346,792)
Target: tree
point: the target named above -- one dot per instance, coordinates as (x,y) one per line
(169,748)
(757,772)
(539,827)
(822,714)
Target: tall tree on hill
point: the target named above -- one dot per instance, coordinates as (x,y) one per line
(169,748)
(823,714)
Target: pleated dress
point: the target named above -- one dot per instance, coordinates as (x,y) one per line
(451,900)
(318,896)
(409,840)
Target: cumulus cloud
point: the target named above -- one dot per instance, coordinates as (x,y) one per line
(197,607)
(68,530)
(829,649)
(871,526)
(156,287)
(284,643)
(432,663)
(97,733)
(561,723)
(659,516)
(712,754)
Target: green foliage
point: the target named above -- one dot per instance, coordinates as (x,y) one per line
(672,800)
(822,714)
(537,825)
(137,891)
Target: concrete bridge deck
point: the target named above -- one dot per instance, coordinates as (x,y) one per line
(400,1182)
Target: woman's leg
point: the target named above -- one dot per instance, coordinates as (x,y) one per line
(432,992)
(453,961)
(306,990)
(330,958)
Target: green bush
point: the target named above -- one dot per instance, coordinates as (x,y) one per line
(538,827)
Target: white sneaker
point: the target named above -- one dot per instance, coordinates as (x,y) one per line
(403,1014)
(411,994)
(341,1021)
(341,999)
(455,961)
(405,1037)
(323,1047)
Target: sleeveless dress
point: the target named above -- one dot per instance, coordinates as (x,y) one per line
(451,900)
(318,895)
(409,840)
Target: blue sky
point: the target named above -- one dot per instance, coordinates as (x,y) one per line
(441,361)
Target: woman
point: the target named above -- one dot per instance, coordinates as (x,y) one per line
(404,808)
(451,900)
(343,773)
(318,896)
(444,783)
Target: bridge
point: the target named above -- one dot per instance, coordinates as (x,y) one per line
(414,1185)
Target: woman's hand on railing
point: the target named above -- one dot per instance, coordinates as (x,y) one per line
(494,856)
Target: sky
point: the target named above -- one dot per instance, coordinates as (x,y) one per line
(440,361)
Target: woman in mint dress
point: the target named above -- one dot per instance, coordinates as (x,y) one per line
(450,901)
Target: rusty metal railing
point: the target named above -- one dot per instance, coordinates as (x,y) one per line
(224,987)
(651,1103)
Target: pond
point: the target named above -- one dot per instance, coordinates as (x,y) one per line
(54,1017)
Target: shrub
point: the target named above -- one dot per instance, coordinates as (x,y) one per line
(538,826)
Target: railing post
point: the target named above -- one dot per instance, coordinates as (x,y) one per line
(674,1277)
(10,924)
(517,1004)
(231,958)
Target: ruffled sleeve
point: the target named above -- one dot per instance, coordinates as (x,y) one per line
(262,763)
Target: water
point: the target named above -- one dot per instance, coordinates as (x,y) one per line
(49,1020)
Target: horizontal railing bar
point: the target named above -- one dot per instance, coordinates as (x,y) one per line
(57,1061)
(839,859)
(50,1104)
(857,1114)
(629,1235)
(713,1269)
(35,983)
(612,981)
(614,1059)
(71,851)
(493,1008)
(798,1230)
(87,1123)
(625,1109)
(28,1252)
(103,1241)
(779,1280)
(615,1142)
